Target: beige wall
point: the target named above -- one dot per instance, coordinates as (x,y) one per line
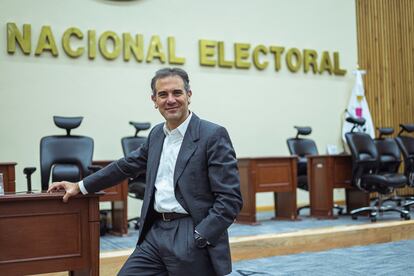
(259,108)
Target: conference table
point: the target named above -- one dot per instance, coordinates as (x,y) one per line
(40,234)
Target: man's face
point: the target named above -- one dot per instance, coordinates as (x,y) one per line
(172,100)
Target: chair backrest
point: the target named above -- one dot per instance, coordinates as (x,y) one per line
(65,157)
(389,153)
(302,147)
(136,185)
(406,145)
(364,154)
(131,143)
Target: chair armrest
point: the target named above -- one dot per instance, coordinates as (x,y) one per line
(94,168)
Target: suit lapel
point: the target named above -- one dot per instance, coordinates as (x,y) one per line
(188,147)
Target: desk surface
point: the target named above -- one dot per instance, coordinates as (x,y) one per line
(39,234)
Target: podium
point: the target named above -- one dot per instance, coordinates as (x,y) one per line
(40,234)
(325,173)
(268,174)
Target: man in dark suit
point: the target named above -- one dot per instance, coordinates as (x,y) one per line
(193,189)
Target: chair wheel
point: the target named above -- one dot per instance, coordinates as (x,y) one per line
(373,219)
(354,218)
(340,212)
(136,226)
(407,217)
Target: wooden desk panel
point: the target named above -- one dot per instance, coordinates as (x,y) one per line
(325,173)
(39,234)
(268,174)
(9,177)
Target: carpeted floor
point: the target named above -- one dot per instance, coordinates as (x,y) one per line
(396,258)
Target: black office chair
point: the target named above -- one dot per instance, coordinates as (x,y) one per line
(136,186)
(64,157)
(366,174)
(406,144)
(389,156)
(301,147)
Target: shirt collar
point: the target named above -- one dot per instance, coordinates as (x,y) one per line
(181,128)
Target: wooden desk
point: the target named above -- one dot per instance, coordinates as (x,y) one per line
(39,234)
(325,173)
(118,196)
(268,174)
(9,177)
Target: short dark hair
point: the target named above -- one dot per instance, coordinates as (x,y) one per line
(167,72)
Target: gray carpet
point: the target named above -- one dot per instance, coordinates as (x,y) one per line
(391,259)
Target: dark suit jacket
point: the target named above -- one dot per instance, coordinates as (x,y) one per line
(206,181)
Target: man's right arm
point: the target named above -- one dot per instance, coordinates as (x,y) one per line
(130,166)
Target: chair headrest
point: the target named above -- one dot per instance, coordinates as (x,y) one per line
(355,120)
(303,130)
(140,126)
(406,127)
(385,131)
(67,123)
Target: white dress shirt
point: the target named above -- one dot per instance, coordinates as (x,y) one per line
(165,200)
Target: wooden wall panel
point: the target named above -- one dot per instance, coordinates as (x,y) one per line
(385,30)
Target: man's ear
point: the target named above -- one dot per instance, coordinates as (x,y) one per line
(153,98)
(189,93)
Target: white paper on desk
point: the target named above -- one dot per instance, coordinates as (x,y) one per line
(331,149)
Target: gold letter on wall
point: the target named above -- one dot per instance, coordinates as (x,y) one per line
(241,54)
(310,60)
(116,45)
(136,47)
(259,49)
(277,51)
(24,41)
(326,63)
(46,42)
(172,58)
(91,44)
(337,67)
(155,49)
(66,42)
(222,62)
(289,56)
(206,50)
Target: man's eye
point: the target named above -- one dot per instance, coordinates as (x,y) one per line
(178,93)
(162,94)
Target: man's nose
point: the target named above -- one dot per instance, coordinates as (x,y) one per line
(170,99)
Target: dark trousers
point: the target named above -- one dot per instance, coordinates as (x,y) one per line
(169,249)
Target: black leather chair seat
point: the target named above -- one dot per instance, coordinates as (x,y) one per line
(383,183)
